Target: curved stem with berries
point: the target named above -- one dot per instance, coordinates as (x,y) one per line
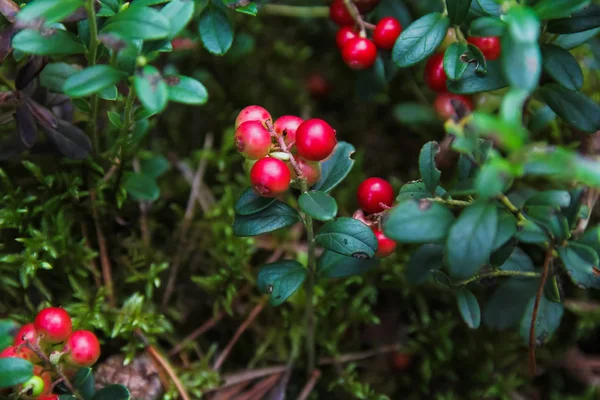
(355,14)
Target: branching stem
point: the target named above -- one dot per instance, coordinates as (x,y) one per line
(495,274)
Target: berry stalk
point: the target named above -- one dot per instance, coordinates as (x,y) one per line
(281,142)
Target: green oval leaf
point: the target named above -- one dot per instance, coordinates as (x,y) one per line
(522,63)
(348,236)
(562,67)
(490,6)
(470,241)
(151,89)
(457,10)
(280,279)
(552,9)
(487,26)
(276,216)
(334,265)
(420,39)
(141,187)
(427,258)
(420,221)
(48,10)
(581,263)
(506,306)
(571,40)
(188,91)
(586,19)
(54,75)
(427,167)
(154,166)
(178,13)
(507,228)
(216,31)
(251,203)
(530,232)
(453,65)
(59,43)
(555,198)
(336,167)
(547,321)
(574,107)
(139,22)
(113,392)
(92,80)
(83,381)
(469,308)
(416,191)
(14,371)
(473,82)
(318,205)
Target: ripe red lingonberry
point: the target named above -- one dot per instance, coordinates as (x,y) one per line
(386,32)
(386,246)
(14,351)
(344,35)
(315,139)
(53,325)
(318,85)
(252,113)
(372,192)
(400,360)
(310,169)
(27,332)
(359,53)
(252,140)
(435,76)
(49,397)
(489,46)
(82,349)
(288,124)
(443,104)
(338,13)
(270,177)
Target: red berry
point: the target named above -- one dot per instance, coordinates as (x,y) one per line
(317,85)
(386,246)
(435,76)
(443,105)
(315,139)
(27,331)
(82,349)
(49,397)
(339,14)
(13,351)
(489,46)
(252,113)
(359,53)
(310,169)
(53,325)
(400,360)
(374,191)
(289,124)
(386,32)
(179,44)
(270,177)
(253,140)
(344,35)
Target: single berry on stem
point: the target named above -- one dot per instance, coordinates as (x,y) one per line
(53,325)
(34,386)
(26,333)
(338,13)
(359,53)
(386,246)
(252,113)
(435,76)
(270,177)
(311,170)
(443,104)
(14,351)
(315,139)
(386,32)
(489,46)
(372,193)
(288,124)
(82,349)
(344,35)
(252,140)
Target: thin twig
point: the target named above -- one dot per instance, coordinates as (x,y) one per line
(532,344)
(351,357)
(259,390)
(284,147)
(228,393)
(496,274)
(355,14)
(187,222)
(103,250)
(310,385)
(251,317)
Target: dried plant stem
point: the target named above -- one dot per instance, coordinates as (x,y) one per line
(310,385)
(536,305)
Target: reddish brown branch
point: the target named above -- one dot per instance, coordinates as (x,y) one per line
(532,344)
(310,385)
(284,147)
(103,250)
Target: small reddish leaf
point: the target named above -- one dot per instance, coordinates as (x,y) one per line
(44,116)
(26,126)
(71,141)
(29,71)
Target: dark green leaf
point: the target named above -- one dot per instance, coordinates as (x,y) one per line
(92,80)
(188,91)
(454,66)
(8,328)
(562,67)
(334,265)
(469,308)
(113,392)
(251,203)
(472,82)
(141,187)
(54,75)
(457,10)
(507,228)
(508,135)
(318,205)
(414,113)
(178,13)
(591,238)
(530,232)
(550,219)
(487,26)
(83,381)
(574,107)
(416,190)
(427,167)
(581,263)
(151,89)
(584,20)
(547,321)
(48,10)
(541,118)
(276,216)
(490,6)
(155,166)
(470,240)
(522,63)
(250,9)
(138,3)
(114,119)
(349,237)
(280,279)
(571,40)
(335,169)
(476,55)
(428,258)
(110,93)
(555,198)
(58,43)
(420,221)
(506,306)
(143,23)
(14,371)
(216,31)
(553,9)
(420,39)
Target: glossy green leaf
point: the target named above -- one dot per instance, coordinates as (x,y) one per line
(584,20)
(562,67)
(178,13)
(493,178)
(507,228)
(457,10)
(318,205)
(251,203)
(574,107)
(581,263)
(113,392)
(475,55)
(454,66)
(8,328)
(154,166)
(550,219)
(83,381)
(109,93)
(490,6)
(416,190)
(349,237)
(469,308)
(92,80)
(54,75)
(506,306)
(571,40)
(487,26)
(59,43)
(335,169)
(420,39)
(522,63)
(250,9)
(555,198)
(530,232)
(541,118)
(552,9)
(151,89)
(523,25)
(48,10)
(188,91)
(334,265)
(511,109)
(430,174)
(472,82)
(280,280)
(470,240)
(547,321)
(591,238)
(276,216)
(139,22)
(141,187)
(114,119)
(216,31)
(427,258)
(420,221)
(14,371)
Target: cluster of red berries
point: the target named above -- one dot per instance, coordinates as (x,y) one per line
(267,147)
(50,340)
(435,77)
(358,51)
(376,195)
